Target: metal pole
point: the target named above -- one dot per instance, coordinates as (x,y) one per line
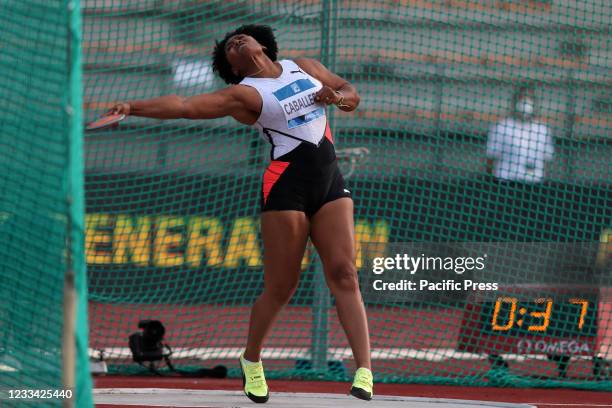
(69,301)
(320,313)
(321,298)
(68,335)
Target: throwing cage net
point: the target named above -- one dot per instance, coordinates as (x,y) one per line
(172,206)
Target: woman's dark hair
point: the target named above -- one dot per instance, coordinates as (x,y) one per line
(262,33)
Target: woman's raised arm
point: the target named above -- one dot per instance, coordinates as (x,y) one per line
(232,101)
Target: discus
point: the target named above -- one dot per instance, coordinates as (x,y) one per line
(105,121)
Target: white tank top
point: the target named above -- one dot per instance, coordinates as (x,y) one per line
(289,115)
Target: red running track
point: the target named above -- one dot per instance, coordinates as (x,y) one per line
(223,326)
(226,326)
(202,326)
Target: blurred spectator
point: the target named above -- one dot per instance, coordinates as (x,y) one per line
(519,146)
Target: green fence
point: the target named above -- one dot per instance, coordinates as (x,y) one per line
(172,228)
(43,321)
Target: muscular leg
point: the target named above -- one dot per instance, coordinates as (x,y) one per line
(284,236)
(332,232)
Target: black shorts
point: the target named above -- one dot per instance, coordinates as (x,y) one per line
(301,187)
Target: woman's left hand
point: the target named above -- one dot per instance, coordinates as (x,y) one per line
(327,96)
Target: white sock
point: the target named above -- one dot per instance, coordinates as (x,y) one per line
(249,362)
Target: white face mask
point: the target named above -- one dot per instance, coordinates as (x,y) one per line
(525,106)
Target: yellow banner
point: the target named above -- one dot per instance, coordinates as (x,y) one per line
(194,241)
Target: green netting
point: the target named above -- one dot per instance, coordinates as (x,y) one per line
(41,199)
(172,206)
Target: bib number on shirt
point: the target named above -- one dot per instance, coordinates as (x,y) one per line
(297,102)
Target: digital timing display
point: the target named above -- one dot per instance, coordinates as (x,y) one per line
(527,319)
(564,317)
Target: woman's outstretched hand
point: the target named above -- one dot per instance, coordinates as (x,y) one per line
(120,108)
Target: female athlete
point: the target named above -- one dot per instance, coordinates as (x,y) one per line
(303,193)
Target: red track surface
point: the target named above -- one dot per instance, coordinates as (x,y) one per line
(222,326)
(196,326)
(226,326)
(543,398)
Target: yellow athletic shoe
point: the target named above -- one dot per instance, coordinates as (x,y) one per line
(363,384)
(253,381)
